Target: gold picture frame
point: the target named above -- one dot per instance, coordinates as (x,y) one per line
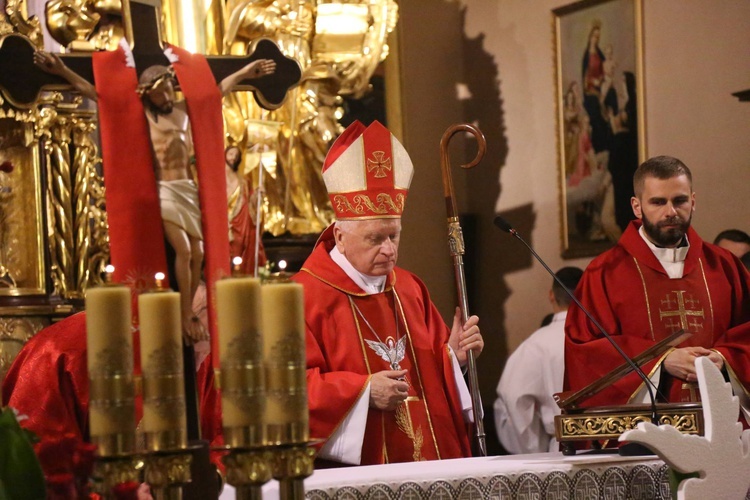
(22,270)
(600,119)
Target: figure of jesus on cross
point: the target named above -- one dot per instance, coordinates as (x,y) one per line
(172,147)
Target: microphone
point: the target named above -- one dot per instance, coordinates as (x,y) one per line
(505,226)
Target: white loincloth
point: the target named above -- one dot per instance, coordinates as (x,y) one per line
(180,205)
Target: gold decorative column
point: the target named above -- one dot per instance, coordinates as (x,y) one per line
(78,244)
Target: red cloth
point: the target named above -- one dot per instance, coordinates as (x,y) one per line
(135,226)
(627,290)
(339,362)
(203,100)
(136,234)
(48,383)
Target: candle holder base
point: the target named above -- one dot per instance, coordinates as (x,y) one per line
(110,472)
(292,464)
(167,472)
(248,470)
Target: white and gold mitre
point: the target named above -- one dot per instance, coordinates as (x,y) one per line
(367,173)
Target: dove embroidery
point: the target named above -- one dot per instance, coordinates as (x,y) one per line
(390,351)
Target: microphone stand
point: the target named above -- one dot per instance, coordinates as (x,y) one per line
(505,226)
(456,244)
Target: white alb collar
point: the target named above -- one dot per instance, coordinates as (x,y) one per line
(368,284)
(667,255)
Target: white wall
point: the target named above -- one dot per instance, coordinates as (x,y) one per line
(696,55)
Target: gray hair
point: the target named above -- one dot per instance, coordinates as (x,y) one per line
(346,225)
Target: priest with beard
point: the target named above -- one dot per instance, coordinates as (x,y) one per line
(659,278)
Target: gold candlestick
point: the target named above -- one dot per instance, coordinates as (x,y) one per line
(164,421)
(238,302)
(286,414)
(248,464)
(286,386)
(164,424)
(109,348)
(248,470)
(109,352)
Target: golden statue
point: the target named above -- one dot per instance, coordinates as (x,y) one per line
(338,45)
(85,25)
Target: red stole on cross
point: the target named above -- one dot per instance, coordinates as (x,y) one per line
(135,226)
(204,109)
(136,234)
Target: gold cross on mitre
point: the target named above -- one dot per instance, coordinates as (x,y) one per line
(380,164)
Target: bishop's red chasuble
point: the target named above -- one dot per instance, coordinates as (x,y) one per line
(627,290)
(344,325)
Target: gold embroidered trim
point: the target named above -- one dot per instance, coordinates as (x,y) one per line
(404,422)
(734,380)
(645,293)
(369,371)
(708,292)
(361,338)
(649,375)
(419,375)
(368,217)
(361,391)
(383,204)
(384,447)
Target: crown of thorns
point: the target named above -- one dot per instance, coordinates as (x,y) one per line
(151,84)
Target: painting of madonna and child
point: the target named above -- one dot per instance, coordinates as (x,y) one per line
(598,60)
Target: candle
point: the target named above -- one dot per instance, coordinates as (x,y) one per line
(284,360)
(238,306)
(164,420)
(109,355)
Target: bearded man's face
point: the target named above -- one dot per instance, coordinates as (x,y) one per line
(666,208)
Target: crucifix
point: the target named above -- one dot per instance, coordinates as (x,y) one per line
(22,80)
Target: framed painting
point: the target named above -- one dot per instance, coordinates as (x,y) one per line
(600,109)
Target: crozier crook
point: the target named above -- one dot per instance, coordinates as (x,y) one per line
(456,244)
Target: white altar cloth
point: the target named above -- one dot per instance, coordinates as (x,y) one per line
(544,475)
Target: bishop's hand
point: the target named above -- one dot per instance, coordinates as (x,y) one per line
(387,391)
(465,337)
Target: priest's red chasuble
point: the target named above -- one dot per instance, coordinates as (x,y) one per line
(345,326)
(627,290)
